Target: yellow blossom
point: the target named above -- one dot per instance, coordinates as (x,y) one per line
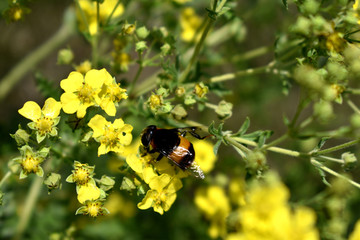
(45,119)
(81,93)
(83,67)
(155,101)
(30,161)
(237,191)
(82,174)
(204,155)
(142,166)
(117,204)
(162,193)
(201,90)
(111,94)
(355,235)
(89,9)
(335,42)
(267,215)
(87,192)
(112,136)
(190,24)
(93,209)
(214,203)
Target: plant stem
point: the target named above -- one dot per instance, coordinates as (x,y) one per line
(141,66)
(273,149)
(29,62)
(236,144)
(246,72)
(336,148)
(276,141)
(332,172)
(353,106)
(252,53)
(3,180)
(28,207)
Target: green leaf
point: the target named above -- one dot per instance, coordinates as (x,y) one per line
(244,127)
(216,146)
(285,4)
(323,177)
(127,184)
(321,143)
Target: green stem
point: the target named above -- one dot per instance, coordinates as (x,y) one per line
(322,158)
(209,23)
(252,53)
(353,106)
(3,180)
(236,144)
(332,172)
(137,75)
(28,207)
(353,91)
(95,38)
(112,12)
(276,141)
(336,148)
(273,149)
(33,59)
(246,72)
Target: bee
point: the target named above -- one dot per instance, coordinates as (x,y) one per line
(172,144)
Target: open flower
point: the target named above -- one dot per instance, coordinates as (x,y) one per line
(111,94)
(30,161)
(88,192)
(81,93)
(82,174)
(112,136)
(93,208)
(44,120)
(89,16)
(142,166)
(162,193)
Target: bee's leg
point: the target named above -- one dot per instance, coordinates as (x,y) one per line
(159,157)
(194,134)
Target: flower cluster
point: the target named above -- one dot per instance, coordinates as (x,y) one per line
(97,88)
(88,194)
(257,211)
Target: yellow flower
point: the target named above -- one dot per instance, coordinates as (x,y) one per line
(142,166)
(190,23)
(30,161)
(355,235)
(45,119)
(87,192)
(112,136)
(81,93)
(84,67)
(201,90)
(267,215)
(162,193)
(110,94)
(155,101)
(335,42)
(93,208)
(204,155)
(214,203)
(89,9)
(117,204)
(82,174)
(237,191)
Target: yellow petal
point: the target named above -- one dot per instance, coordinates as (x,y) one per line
(70,102)
(135,163)
(118,123)
(108,106)
(95,78)
(31,110)
(73,83)
(81,112)
(102,150)
(88,192)
(108,80)
(158,183)
(147,201)
(51,108)
(97,124)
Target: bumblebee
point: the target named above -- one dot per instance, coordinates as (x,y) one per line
(172,144)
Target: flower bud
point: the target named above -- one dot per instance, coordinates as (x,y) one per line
(201,90)
(323,110)
(65,56)
(355,120)
(256,162)
(224,109)
(349,159)
(106,183)
(179,112)
(128,29)
(310,7)
(21,137)
(180,91)
(52,181)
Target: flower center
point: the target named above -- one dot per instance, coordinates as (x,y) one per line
(110,137)
(81,176)
(94,209)
(30,164)
(86,94)
(44,125)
